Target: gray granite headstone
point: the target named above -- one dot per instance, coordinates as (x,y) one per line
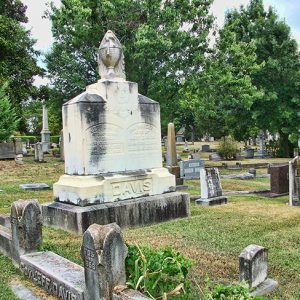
(34,186)
(190,169)
(103,252)
(205,148)
(254,269)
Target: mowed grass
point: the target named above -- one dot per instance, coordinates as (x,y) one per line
(211,237)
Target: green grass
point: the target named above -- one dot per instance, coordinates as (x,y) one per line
(211,237)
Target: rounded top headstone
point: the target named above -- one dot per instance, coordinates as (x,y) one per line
(111,57)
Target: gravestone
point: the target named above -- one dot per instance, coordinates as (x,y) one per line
(205,148)
(252,171)
(34,186)
(171,161)
(190,169)
(38,152)
(214,157)
(294,182)
(279,180)
(249,153)
(261,152)
(211,189)
(211,139)
(19,159)
(61,145)
(103,252)
(112,148)
(45,133)
(254,270)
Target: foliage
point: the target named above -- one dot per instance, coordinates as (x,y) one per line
(228,147)
(160,274)
(18,58)
(279,75)
(8,117)
(163,42)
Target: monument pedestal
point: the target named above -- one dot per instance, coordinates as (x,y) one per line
(212,201)
(132,212)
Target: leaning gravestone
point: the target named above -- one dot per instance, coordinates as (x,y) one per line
(211,189)
(254,270)
(112,144)
(279,180)
(190,169)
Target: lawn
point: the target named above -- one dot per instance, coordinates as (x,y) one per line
(211,237)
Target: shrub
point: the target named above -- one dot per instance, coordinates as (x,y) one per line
(228,148)
(158,274)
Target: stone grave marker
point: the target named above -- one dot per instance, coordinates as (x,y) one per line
(279,180)
(252,171)
(45,133)
(190,169)
(38,152)
(294,182)
(211,189)
(254,270)
(205,148)
(113,153)
(34,186)
(261,152)
(61,145)
(215,157)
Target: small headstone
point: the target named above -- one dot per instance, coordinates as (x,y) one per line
(254,269)
(252,171)
(211,139)
(34,186)
(190,169)
(214,157)
(19,159)
(211,189)
(205,148)
(279,180)
(38,152)
(24,150)
(103,252)
(249,153)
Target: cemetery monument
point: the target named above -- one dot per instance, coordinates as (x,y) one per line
(112,151)
(45,133)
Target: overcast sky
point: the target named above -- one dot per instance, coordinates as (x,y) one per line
(41,27)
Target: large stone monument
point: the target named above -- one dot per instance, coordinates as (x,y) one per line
(45,133)
(261,152)
(112,149)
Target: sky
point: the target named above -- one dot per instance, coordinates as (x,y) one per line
(41,27)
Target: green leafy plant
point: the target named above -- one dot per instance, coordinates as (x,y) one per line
(159,274)
(228,148)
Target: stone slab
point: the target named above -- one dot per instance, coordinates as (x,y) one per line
(212,201)
(57,275)
(242,176)
(34,186)
(128,294)
(265,288)
(140,211)
(190,169)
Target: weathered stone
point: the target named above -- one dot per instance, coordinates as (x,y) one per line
(23,293)
(171,146)
(140,211)
(34,186)
(214,157)
(249,153)
(211,189)
(279,179)
(190,169)
(294,182)
(205,148)
(261,152)
(10,150)
(55,274)
(103,252)
(38,152)
(252,171)
(242,176)
(45,133)
(254,269)
(127,294)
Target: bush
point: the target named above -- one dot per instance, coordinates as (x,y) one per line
(158,274)
(228,148)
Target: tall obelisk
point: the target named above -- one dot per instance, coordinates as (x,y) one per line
(45,133)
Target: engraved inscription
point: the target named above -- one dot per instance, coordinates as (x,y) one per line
(90,258)
(52,287)
(130,189)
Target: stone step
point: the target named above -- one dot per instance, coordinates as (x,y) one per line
(57,275)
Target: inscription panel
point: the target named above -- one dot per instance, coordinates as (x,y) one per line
(49,284)
(90,258)
(190,169)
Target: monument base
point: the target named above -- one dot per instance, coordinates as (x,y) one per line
(132,212)
(212,201)
(110,187)
(265,288)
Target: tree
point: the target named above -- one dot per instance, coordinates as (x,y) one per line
(221,96)
(277,52)
(164,42)
(17,56)
(8,116)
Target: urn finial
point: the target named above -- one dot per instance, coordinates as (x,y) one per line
(110,57)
